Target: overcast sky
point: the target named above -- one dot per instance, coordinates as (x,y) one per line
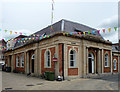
(31,16)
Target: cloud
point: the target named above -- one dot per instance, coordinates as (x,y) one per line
(110,23)
(112,36)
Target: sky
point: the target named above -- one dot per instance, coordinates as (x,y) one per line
(30,16)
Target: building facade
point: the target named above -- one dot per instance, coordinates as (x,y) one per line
(77,55)
(116,57)
(2,49)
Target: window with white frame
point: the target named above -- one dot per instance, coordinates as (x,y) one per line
(106,60)
(115,64)
(72,58)
(22,60)
(17,61)
(48,61)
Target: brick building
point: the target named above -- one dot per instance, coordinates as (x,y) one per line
(77,55)
(116,57)
(2,49)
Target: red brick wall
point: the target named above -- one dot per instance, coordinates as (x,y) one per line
(71,71)
(60,59)
(19,69)
(42,60)
(107,69)
(115,57)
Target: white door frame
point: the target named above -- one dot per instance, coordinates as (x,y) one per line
(92,58)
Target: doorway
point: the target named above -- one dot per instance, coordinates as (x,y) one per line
(91,62)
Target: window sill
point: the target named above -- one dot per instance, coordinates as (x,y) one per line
(73,67)
(47,67)
(106,66)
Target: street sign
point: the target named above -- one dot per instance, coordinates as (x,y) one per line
(54,59)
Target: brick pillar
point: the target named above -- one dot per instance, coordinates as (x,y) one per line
(65,62)
(12,62)
(25,62)
(40,60)
(84,60)
(87,59)
(102,63)
(111,62)
(57,63)
(118,62)
(8,61)
(98,62)
(36,62)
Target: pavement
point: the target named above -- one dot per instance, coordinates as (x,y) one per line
(15,81)
(0,81)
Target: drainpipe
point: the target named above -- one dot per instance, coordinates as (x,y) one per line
(63,61)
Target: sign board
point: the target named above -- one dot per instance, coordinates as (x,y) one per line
(54,59)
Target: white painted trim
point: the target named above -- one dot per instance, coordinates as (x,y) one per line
(75,64)
(33,56)
(108,63)
(93,62)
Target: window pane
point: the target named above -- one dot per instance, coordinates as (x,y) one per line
(105,63)
(71,63)
(74,57)
(48,63)
(48,53)
(71,52)
(114,64)
(47,59)
(106,60)
(71,57)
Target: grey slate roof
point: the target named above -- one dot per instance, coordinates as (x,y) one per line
(69,27)
(116,47)
(63,25)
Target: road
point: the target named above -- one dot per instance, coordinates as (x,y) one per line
(13,81)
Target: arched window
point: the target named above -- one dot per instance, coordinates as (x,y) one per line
(72,58)
(17,61)
(115,64)
(106,60)
(48,61)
